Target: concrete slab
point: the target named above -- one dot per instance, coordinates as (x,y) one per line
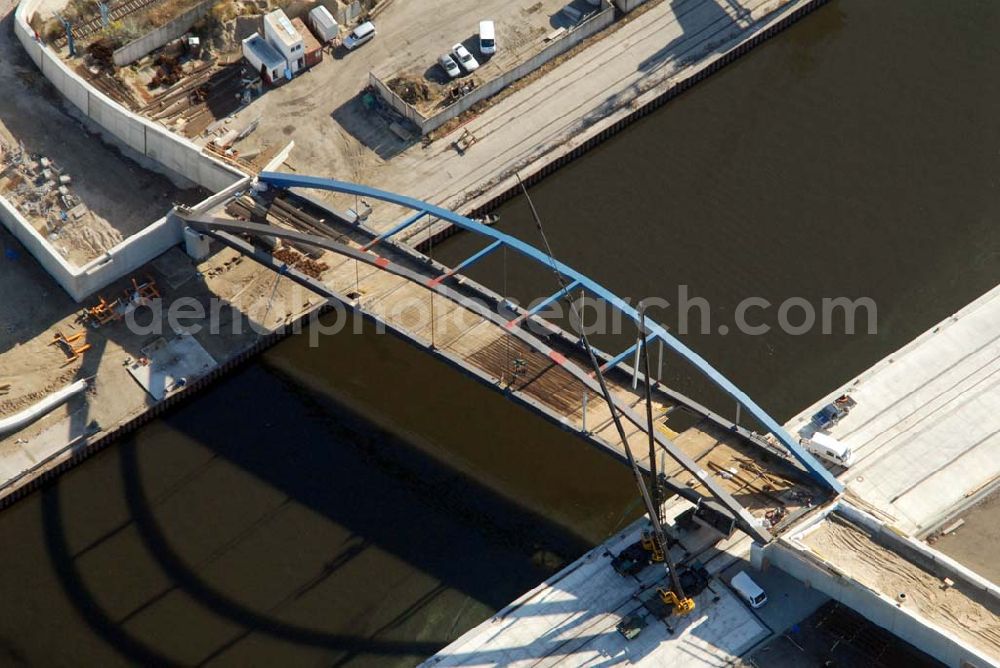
(788,601)
(168,365)
(15,462)
(572,617)
(64,432)
(926,428)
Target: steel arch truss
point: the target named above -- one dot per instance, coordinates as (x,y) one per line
(497,239)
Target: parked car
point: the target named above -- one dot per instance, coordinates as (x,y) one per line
(361,34)
(465,58)
(487,38)
(829,448)
(449,65)
(748,590)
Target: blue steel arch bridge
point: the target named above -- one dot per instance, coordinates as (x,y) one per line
(760,480)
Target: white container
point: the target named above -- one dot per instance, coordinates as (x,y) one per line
(323,24)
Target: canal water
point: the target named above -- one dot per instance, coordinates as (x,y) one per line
(359,504)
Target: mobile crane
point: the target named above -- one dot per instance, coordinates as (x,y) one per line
(674,597)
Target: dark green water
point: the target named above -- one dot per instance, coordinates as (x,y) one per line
(360,504)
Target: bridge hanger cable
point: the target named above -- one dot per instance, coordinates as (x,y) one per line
(507,335)
(652,512)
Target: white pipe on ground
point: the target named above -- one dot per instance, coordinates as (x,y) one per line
(43,407)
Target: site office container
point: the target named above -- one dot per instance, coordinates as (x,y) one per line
(311,46)
(323,24)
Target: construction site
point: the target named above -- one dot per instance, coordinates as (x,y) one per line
(109,168)
(79,193)
(422,92)
(191,82)
(933,592)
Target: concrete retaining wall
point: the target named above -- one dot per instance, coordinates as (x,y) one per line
(628,5)
(84,281)
(58,268)
(154,39)
(806,566)
(173,153)
(597,22)
(123,259)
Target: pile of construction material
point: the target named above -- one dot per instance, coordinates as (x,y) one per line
(39,189)
(306,265)
(284,213)
(201,96)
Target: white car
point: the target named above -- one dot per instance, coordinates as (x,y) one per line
(361,34)
(465,58)
(449,65)
(487,38)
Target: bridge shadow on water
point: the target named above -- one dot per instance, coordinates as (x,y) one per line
(464,540)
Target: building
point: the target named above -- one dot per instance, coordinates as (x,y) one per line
(313,49)
(264,59)
(282,35)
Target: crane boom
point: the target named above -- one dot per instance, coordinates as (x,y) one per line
(679,599)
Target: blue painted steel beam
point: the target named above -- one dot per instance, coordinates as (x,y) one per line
(816,470)
(545,302)
(396,230)
(620,357)
(472,259)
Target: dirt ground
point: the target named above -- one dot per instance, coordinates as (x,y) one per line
(121,198)
(976,543)
(34,308)
(323,112)
(883,570)
(520,30)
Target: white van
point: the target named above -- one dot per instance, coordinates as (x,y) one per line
(361,34)
(748,590)
(487,38)
(829,448)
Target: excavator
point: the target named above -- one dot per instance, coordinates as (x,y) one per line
(654,540)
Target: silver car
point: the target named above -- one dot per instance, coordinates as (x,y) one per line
(465,58)
(449,65)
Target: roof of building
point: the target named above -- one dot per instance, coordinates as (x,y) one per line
(264,51)
(310,43)
(283,28)
(323,15)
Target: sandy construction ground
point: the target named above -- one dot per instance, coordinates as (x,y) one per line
(120,196)
(883,570)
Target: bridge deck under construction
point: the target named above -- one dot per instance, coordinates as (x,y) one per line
(551,378)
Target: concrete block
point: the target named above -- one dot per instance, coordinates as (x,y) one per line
(196,245)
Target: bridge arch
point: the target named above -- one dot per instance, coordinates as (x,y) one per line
(575,279)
